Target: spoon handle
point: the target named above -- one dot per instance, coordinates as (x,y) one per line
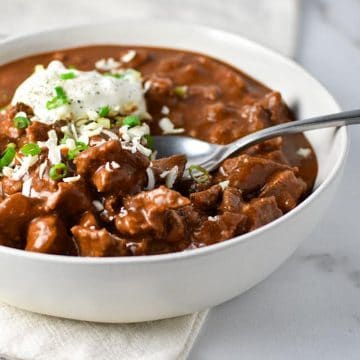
(319,122)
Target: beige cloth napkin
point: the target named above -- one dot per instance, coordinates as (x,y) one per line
(29,336)
(25,335)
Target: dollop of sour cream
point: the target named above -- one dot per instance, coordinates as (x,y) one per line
(87,92)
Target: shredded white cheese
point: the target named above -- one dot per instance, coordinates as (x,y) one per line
(54,151)
(147,86)
(107,64)
(123,212)
(213,218)
(224,184)
(170,176)
(304,152)
(108,167)
(23,169)
(98,205)
(110,134)
(71,179)
(7,171)
(130,55)
(42,168)
(26,187)
(165,110)
(115,165)
(222,171)
(167,126)
(151,179)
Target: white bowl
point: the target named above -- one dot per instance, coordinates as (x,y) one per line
(154,287)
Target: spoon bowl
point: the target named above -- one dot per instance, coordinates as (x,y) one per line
(210,156)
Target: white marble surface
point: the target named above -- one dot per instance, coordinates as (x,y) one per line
(309,308)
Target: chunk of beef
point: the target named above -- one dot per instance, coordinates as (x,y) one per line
(208,199)
(70,199)
(47,234)
(127,177)
(162,166)
(37,131)
(220,228)
(168,64)
(123,180)
(7,123)
(10,186)
(231,201)
(146,212)
(279,111)
(192,216)
(20,107)
(207,92)
(187,74)
(233,82)
(175,226)
(249,173)
(161,87)
(112,204)
(89,220)
(215,112)
(16,211)
(286,188)
(138,247)
(261,211)
(93,242)
(238,122)
(275,155)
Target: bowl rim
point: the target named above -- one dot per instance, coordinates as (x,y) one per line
(203,251)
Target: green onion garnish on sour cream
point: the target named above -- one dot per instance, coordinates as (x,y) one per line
(84,95)
(58,100)
(104,111)
(131,121)
(67,76)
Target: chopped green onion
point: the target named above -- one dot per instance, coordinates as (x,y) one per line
(59,100)
(58,171)
(181,91)
(8,155)
(67,76)
(21,122)
(31,149)
(80,146)
(104,122)
(149,141)
(204,174)
(71,67)
(131,121)
(104,111)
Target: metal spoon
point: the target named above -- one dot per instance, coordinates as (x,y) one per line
(209,156)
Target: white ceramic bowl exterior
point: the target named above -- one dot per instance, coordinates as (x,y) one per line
(155,287)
